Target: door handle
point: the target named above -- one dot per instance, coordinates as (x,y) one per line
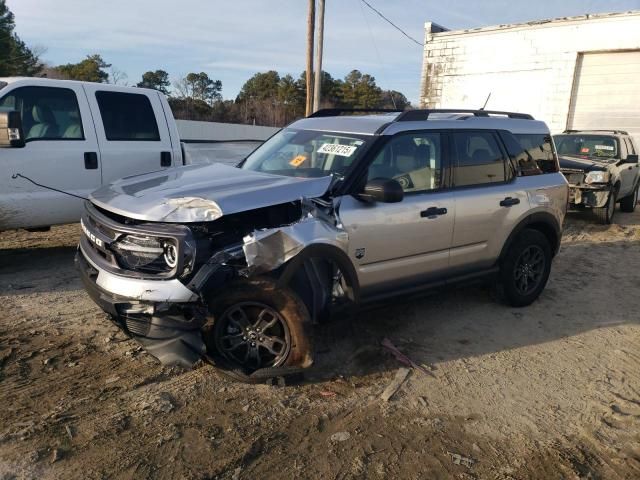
(433,212)
(91,160)
(165,159)
(509,201)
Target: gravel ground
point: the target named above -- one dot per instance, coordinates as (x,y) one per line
(548,391)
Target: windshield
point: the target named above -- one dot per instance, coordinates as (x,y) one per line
(3,84)
(593,146)
(307,153)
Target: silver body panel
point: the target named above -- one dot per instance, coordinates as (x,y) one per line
(202,193)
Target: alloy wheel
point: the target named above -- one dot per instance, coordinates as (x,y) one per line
(254,335)
(529,269)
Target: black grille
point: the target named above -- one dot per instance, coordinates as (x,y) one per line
(138,324)
(574,178)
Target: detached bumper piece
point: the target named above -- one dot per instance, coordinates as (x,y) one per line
(169,332)
(594,197)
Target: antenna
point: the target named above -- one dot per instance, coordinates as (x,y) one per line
(486,101)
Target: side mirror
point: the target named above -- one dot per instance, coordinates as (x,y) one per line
(11,134)
(631,159)
(386,190)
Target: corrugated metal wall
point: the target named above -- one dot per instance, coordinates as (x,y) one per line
(214,131)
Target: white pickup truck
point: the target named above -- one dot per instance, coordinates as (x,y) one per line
(75,137)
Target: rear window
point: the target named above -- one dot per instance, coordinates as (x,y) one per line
(479,159)
(3,84)
(536,156)
(127,117)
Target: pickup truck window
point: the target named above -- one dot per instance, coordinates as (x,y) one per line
(127,117)
(48,113)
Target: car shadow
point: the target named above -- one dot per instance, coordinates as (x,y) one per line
(37,270)
(465,322)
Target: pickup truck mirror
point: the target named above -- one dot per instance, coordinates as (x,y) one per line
(386,190)
(11,134)
(631,159)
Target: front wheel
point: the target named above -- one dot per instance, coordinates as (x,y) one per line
(605,214)
(525,269)
(628,204)
(255,325)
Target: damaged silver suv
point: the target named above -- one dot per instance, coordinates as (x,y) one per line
(235,264)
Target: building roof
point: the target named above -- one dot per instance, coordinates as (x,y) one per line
(531,24)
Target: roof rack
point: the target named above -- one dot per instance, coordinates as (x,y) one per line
(423,114)
(334,112)
(617,132)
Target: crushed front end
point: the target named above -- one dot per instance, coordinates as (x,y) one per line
(136,273)
(587,188)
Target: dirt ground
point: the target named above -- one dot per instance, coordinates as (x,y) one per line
(548,391)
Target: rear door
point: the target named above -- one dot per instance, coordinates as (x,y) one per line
(488,200)
(400,245)
(61,151)
(132,131)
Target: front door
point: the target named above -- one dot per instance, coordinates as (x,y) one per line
(404,244)
(61,152)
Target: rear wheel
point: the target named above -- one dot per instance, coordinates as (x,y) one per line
(525,269)
(605,214)
(256,325)
(628,204)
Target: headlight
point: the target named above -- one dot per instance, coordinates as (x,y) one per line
(597,177)
(152,254)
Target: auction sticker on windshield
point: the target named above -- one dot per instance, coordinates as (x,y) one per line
(337,149)
(604,147)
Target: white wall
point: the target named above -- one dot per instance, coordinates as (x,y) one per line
(526,68)
(192,130)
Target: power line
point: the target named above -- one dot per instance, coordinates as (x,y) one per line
(392,24)
(375,46)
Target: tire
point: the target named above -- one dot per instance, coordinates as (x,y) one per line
(527,260)
(605,214)
(255,325)
(628,204)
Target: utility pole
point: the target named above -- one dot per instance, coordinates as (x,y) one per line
(317,87)
(311,19)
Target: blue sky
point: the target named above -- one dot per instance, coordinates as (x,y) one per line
(232,40)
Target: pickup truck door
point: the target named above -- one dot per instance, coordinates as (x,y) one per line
(61,151)
(394,246)
(132,131)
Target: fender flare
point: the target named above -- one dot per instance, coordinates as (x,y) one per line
(549,224)
(325,252)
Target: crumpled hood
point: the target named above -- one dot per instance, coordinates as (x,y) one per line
(200,193)
(586,164)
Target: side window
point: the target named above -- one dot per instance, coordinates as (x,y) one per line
(630,149)
(479,159)
(48,113)
(413,159)
(127,116)
(535,155)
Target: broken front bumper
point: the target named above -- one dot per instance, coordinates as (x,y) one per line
(595,196)
(163,316)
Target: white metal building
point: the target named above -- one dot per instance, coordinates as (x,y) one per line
(577,72)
